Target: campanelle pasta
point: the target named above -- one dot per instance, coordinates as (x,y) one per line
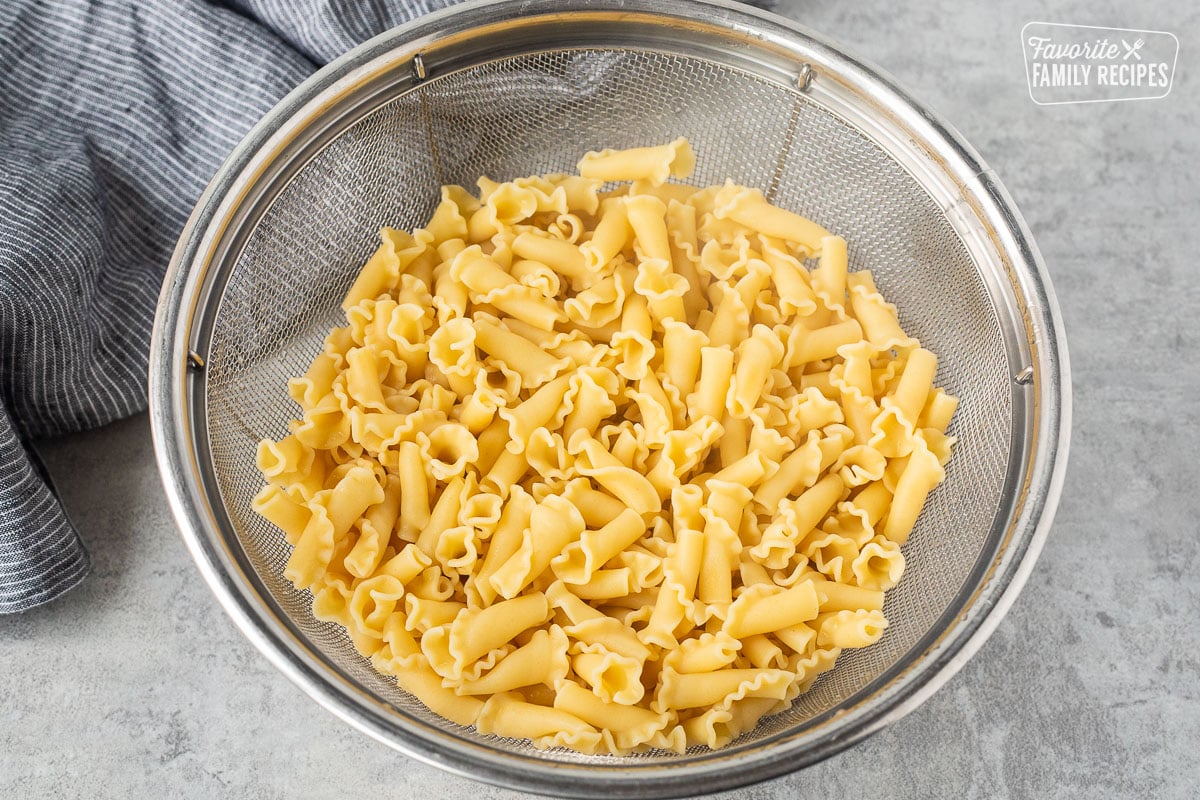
(608,468)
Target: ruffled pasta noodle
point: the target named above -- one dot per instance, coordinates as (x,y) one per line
(606,468)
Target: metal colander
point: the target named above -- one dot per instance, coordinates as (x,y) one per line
(518,88)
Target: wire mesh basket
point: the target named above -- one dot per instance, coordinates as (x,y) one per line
(525,87)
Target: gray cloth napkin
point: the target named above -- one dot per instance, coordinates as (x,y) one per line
(113,116)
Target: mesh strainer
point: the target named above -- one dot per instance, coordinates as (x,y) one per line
(517,88)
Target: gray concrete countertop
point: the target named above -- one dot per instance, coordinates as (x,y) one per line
(136,684)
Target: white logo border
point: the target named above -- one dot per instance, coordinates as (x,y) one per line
(1029,77)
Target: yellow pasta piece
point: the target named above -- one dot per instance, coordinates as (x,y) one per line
(686,502)
(681,356)
(682,452)
(406,565)
(574,609)
(735,441)
(719,726)
(505,541)
(325,426)
(607,584)
(634,340)
(705,653)
(580,560)
(845,597)
(851,629)
(443,516)
(916,382)
(878,565)
(791,279)
(721,548)
(681,230)
(829,278)
(756,357)
(534,364)
(614,678)
(877,317)
(662,288)
(457,549)
(799,637)
(922,473)
(506,715)
(282,511)
(630,725)
(746,471)
(938,410)
(748,207)
(799,469)
(431,584)
(590,401)
(716,370)
(414,491)
(315,384)
(806,511)
(382,271)
(593,460)
(312,552)
(423,613)
(647,217)
(426,686)
(597,508)
(542,660)
(563,257)
(378,520)
(597,629)
(680,573)
(287,460)
(476,632)
(651,164)
(731,318)
(506,471)
(765,608)
(763,653)
(859,465)
(553,524)
(447,450)
(535,412)
(830,554)
(489,283)
(693,690)
(726,500)
(807,346)
(599,304)
(356,491)
(609,238)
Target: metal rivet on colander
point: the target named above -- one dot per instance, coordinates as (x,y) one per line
(419,67)
(1024,377)
(195,360)
(804,77)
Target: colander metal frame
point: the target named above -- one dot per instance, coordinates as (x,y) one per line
(756,42)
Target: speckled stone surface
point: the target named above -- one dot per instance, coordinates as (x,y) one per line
(137,685)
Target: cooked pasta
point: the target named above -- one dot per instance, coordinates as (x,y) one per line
(608,466)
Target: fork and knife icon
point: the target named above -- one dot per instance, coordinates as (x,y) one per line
(1132,49)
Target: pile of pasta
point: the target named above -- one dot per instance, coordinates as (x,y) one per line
(608,468)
